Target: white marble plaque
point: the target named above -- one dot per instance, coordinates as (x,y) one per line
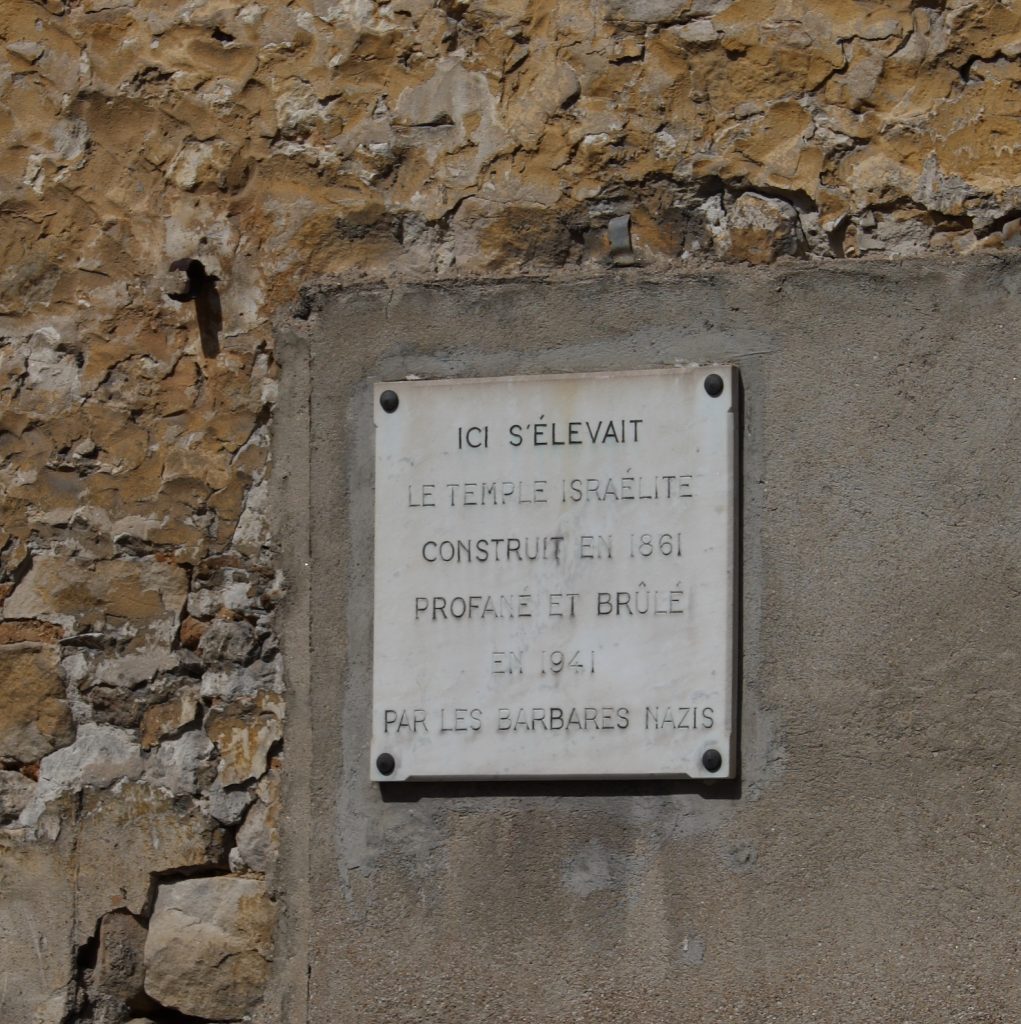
(554,577)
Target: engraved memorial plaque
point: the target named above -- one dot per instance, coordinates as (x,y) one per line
(555,577)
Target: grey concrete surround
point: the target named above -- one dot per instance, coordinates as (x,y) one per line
(865,866)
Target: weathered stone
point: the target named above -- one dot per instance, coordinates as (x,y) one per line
(131,669)
(191,632)
(759,229)
(257,839)
(29,631)
(253,531)
(648,11)
(167,718)
(227,805)
(148,594)
(99,756)
(130,833)
(16,790)
(180,765)
(34,716)
(116,983)
(125,708)
(224,640)
(231,588)
(701,30)
(244,734)
(233,683)
(36,922)
(208,948)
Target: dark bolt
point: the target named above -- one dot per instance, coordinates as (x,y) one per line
(386,764)
(711,759)
(714,385)
(389,401)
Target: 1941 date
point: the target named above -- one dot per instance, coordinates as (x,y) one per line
(542,663)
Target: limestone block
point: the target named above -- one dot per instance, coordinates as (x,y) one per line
(99,756)
(233,682)
(131,832)
(648,11)
(146,593)
(227,805)
(36,918)
(15,793)
(244,735)
(118,975)
(181,765)
(34,717)
(257,839)
(208,949)
(166,718)
(759,229)
(224,640)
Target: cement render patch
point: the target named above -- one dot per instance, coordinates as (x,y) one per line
(863,866)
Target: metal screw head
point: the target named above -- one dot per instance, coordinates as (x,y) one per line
(389,401)
(714,385)
(712,761)
(386,764)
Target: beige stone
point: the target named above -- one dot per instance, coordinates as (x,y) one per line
(29,631)
(191,632)
(34,716)
(149,595)
(36,924)
(244,735)
(16,790)
(759,229)
(208,949)
(167,718)
(258,836)
(117,979)
(131,832)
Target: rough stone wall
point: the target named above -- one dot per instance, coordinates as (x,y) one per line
(284,144)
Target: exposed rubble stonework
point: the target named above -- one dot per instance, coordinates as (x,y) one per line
(288,144)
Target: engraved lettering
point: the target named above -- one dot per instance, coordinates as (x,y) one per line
(422,496)
(678,718)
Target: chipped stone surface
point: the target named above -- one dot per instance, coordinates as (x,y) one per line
(244,736)
(360,155)
(117,979)
(165,719)
(258,838)
(227,805)
(34,716)
(90,597)
(131,833)
(99,756)
(36,921)
(208,949)
(224,640)
(180,765)
(16,790)
(759,229)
